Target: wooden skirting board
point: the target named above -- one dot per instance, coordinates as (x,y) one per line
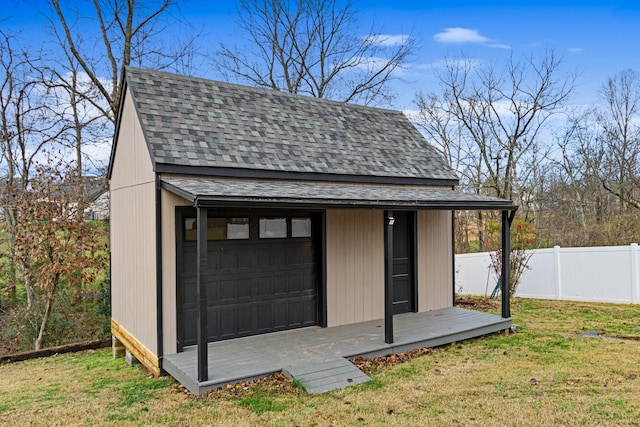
(142,353)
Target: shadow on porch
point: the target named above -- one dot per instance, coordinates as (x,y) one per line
(245,358)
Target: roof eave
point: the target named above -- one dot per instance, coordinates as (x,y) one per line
(178,191)
(303,176)
(116,130)
(216,201)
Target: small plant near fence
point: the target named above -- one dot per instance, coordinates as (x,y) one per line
(524,238)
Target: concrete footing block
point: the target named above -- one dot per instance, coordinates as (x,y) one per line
(117,348)
(130,358)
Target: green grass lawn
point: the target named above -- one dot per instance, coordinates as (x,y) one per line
(543,375)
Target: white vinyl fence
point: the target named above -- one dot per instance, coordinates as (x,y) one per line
(597,274)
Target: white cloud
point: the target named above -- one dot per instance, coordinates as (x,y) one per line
(412,114)
(499,46)
(387,39)
(96,155)
(370,63)
(454,63)
(460,35)
(575,50)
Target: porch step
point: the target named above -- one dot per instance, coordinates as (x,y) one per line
(319,376)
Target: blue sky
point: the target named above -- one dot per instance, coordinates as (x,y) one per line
(596,38)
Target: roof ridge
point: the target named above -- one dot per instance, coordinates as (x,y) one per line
(270,92)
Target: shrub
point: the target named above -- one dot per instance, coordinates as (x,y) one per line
(524,238)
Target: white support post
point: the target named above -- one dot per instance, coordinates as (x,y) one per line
(557,276)
(635,274)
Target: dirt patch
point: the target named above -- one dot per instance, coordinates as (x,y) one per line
(375,363)
(285,385)
(596,334)
(248,388)
(477,303)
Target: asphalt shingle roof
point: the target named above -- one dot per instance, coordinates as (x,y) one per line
(203,189)
(190,121)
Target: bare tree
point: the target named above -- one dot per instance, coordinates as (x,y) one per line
(492,118)
(448,135)
(128,34)
(76,97)
(620,138)
(582,157)
(51,108)
(580,208)
(28,127)
(445,132)
(309,47)
(502,113)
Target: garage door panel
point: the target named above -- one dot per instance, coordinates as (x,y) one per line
(294,257)
(310,310)
(189,292)
(243,288)
(277,258)
(213,323)
(280,315)
(254,286)
(234,322)
(294,283)
(245,320)
(225,322)
(308,283)
(213,260)
(265,318)
(190,315)
(295,311)
(245,260)
(280,285)
(188,270)
(263,257)
(265,286)
(228,260)
(228,290)
(213,292)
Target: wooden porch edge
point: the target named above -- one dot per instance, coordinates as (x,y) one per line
(197,388)
(184,372)
(400,347)
(145,356)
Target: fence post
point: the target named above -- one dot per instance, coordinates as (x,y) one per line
(635,275)
(558,280)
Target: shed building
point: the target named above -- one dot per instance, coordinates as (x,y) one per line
(238,213)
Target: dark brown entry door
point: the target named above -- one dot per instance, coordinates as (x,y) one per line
(403,263)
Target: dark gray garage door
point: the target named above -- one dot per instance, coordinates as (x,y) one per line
(261,276)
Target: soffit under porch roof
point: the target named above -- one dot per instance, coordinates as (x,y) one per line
(207,191)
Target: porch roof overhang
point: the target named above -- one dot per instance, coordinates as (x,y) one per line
(211,191)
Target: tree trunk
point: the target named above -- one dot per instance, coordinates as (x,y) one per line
(28,286)
(13,271)
(480,231)
(45,317)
